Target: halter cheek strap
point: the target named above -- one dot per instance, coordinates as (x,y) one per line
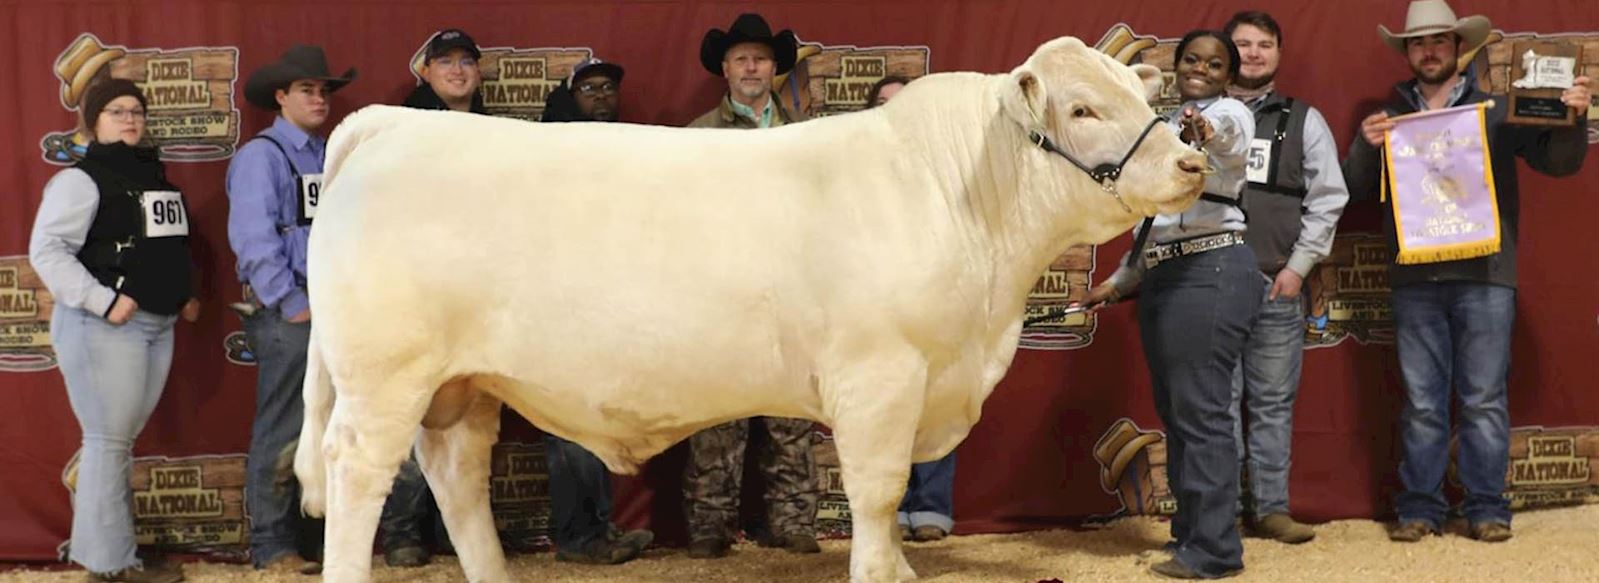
(1105,174)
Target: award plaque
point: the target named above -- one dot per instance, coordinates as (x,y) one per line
(1539,73)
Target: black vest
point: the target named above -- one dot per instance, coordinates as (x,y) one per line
(155,272)
(1274,206)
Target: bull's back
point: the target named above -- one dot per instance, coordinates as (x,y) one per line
(518,251)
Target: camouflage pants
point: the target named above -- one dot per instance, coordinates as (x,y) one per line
(715,470)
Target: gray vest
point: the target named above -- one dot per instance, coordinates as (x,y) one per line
(1275,205)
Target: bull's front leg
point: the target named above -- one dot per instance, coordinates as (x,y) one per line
(875,411)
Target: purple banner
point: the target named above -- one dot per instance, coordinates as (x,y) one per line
(1443,193)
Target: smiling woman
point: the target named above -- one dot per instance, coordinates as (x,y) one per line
(1199,278)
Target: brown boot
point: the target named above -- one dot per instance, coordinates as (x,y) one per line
(1411,531)
(1491,532)
(794,542)
(159,572)
(709,548)
(928,533)
(293,563)
(1283,528)
(1175,569)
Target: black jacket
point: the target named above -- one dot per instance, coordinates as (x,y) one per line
(1555,152)
(423,97)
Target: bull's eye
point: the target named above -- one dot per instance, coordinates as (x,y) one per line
(1081,111)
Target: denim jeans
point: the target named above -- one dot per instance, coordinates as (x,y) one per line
(114,376)
(930,495)
(1267,380)
(1194,314)
(580,495)
(275,519)
(1454,335)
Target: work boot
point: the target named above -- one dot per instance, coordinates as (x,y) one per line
(1411,531)
(709,548)
(1491,532)
(608,550)
(407,557)
(794,542)
(1283,528)
(928,533)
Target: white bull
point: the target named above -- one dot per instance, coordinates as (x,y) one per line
(624,286)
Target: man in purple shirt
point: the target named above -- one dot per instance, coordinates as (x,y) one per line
(274,184)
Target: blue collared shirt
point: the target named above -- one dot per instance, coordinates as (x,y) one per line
(263,214)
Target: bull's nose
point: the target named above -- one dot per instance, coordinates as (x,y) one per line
(1192,164)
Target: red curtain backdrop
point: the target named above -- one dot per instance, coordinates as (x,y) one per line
(1028,464)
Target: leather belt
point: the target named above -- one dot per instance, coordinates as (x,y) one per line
(1158,253)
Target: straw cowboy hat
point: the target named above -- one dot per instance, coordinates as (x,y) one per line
(1433,17)
(299,62)
(748,28)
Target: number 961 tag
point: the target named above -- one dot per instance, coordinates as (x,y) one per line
(164,214)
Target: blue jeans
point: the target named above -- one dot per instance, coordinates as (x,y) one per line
(275,519)
(1454,334)
(580,495)
(1267,380)
(930,495)
(1194,314)
(114,376)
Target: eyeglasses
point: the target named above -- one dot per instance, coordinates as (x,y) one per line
(134,113)
(446,63)
(602,88)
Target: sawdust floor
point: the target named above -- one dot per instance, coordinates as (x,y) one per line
(1550,546)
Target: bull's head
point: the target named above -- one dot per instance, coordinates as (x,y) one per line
(1095,110)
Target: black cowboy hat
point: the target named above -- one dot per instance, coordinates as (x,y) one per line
(299,62)
(748,28)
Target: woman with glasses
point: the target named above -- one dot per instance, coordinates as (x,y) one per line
(111,244)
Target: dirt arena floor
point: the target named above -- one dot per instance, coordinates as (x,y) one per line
(1550,546)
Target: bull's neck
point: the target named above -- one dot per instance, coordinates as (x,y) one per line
(1023,206)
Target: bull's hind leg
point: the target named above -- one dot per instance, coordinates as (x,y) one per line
(455,459)
(367,438)
(875,412)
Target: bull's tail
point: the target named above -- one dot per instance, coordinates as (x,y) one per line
(356,128)
(310,463)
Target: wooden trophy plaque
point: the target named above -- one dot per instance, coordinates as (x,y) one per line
(1539,73)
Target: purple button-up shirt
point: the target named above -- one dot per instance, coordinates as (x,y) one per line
(263,210)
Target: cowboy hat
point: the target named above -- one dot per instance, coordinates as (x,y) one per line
(748,28)
(1433,17)
(299,62)
(1117,448)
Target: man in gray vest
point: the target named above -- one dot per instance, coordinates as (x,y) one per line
(1293,195)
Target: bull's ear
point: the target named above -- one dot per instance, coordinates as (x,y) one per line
(1152,79)
(1026,99)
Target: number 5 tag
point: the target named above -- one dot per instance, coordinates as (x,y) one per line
(164,214)
(1258,168)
